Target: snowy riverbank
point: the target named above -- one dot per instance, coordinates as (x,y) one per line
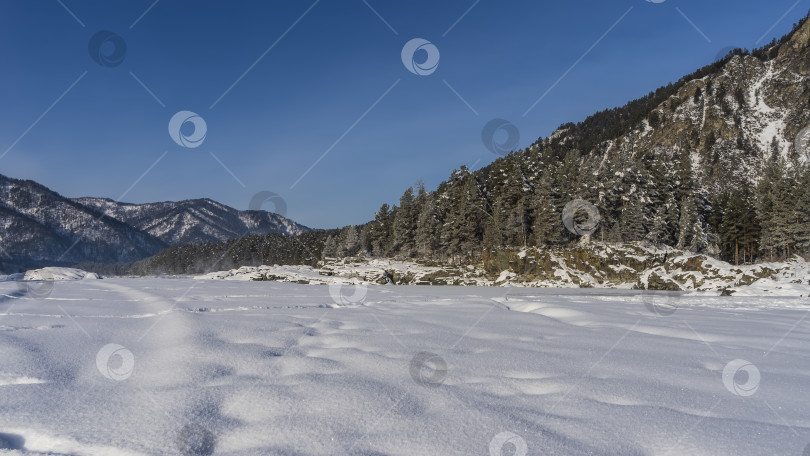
(601,266)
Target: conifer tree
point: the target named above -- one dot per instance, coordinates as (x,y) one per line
(427,229)
(632,221)
(546,225)
(379,231)
(350,241)
(738,229)
(404,224)
(801,210)
(330,248)
(515,227)
(494,233)
(775,198)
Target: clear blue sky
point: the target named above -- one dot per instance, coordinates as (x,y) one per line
(319,79)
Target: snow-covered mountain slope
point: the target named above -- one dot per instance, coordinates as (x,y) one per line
(732,116)
(176,366)
(39,226)
(194,221)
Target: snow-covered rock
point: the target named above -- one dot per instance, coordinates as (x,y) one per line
(59,274)
(597,266)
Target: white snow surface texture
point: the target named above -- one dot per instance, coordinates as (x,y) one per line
(270,368)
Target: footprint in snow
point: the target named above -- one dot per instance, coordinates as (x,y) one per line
(195,440)
(11,442)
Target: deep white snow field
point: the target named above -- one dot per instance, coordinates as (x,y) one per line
(240,368)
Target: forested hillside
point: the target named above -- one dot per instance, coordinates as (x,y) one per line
(274,248)
(706,164)
(716,163)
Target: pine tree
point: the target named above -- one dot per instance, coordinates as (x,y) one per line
(350,241)
(663,209)
(404,224)
(427,229)
(474,215)
(330,248)
(546,225)
(691,234)
(515,226)
(687,222)
(632,220)
(738,230)
(379,236)
(775,201)
(462,231)
(494,231)
(801,232)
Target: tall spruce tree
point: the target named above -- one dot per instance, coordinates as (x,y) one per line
(775,202)
(801,209)
(404,224)
(427,229)
(738,228)
(379,233)
(546,225)
(494,231)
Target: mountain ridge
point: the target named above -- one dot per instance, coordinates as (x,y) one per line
(194,221)
(39,227)
(795,41)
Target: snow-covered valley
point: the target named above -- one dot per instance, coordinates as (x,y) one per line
(149,366)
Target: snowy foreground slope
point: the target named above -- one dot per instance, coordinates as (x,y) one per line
(229,367)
